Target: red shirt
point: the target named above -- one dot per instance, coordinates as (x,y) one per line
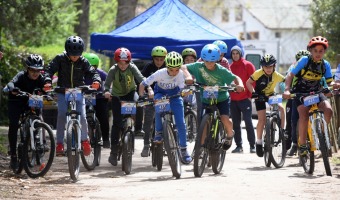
(243,69)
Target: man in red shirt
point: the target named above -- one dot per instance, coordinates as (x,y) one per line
(241,101)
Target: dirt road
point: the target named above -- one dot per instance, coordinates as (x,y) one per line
(244,176)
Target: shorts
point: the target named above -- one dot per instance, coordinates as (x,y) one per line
(223,107)
(299,101)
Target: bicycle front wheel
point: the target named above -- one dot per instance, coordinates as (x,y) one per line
(267,147)
(127,152)
(157,155)
(201,150)
(191,122)
(73,150)
(217,155)
(20,148)
(171,148)
(94,133)
(308,161)
(323,146)
(277,143)
(39,150)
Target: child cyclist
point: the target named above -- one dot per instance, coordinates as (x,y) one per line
(158,54)
(71,68)
(308,71)
(189,55)
(223,50)
(26,81)
(210,73)
(170,81)
(121,81)
(265,80)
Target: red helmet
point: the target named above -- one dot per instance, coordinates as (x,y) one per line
(122,54)
(318,40)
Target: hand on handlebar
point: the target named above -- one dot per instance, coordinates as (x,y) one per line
(95,85)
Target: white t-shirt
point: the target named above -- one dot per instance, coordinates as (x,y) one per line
(164,81)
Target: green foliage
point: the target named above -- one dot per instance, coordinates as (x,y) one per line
(3,142)
(326,19)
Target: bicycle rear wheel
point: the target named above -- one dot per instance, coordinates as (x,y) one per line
(201,150)
(190,118)
(323,146)
(217,155)
(94,133)
(127,152)
(267,147)
(73,151)
(40,158)
(277,143)
(170,144)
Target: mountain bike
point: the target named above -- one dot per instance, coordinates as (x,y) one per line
(317,133)
(273,137)
(94,131)
(211,134)
(36,144)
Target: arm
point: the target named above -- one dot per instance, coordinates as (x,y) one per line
(239,84)
(288,83)
(249,85)
(187,75)
(108,82)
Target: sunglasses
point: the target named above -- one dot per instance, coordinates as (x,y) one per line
(35,71)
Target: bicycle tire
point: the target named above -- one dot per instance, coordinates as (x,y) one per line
(308,161)
(98,143)
(127,152)
(39,161)
(201,150)
(158,151)
(73,152)
(267,147)
(171,147)
(218,155)
(91,161)
(20,147)
(153,154)
(278,144)
(323,146)
(190,118)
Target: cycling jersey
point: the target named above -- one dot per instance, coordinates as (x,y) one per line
(266,84)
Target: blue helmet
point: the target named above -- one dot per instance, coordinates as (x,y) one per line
(210,53)
(222,45)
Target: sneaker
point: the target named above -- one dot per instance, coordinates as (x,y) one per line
(186,158)
(106,144)
(86,147)
(227,143)
(139,132)
(293,150)
(113,159)
(303,150)
(158,138)
(46,147)
(237,150)
(259,150)
(60,150)
(14,162)
(145,151)
(252,149)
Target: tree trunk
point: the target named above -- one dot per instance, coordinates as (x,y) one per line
(82,29)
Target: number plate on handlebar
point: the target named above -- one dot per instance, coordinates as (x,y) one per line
(90,99)
(275,99)
(310,100)
(162,106)
(210,92)
(35,101)
(73,94)
(128,108)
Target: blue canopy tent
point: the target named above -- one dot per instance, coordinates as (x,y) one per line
(168,23)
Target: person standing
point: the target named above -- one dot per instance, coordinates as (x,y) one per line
(241,101)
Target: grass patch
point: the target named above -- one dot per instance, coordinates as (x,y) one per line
(3,140)
(335,160)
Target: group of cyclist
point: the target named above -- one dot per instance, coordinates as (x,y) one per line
(167,74)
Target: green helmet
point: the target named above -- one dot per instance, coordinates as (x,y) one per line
(189,52)
(173,60)
(159,51)
(301,53)
(92,58)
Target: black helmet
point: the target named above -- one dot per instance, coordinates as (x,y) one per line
(34,61)
(267,60)
(74,46)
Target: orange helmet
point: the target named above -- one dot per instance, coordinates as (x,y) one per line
(318,40)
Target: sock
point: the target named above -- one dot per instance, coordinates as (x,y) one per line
(259,141)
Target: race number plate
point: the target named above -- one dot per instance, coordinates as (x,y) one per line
(210,92)
(128,108)
(275,99)
(310,100)
(162,106)
(73,94)
(35,101)
(90,99)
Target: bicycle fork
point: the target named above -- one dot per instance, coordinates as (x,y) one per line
(314,137)
(32,129)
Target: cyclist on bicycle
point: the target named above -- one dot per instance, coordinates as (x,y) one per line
(170,81)
(265,80)
(71,68)
(308,72)
(26,81)
(158,54)
(210,73)
(122,77)
(101,102)
(223,50)
(189,55)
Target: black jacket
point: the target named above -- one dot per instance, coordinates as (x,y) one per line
(70,74)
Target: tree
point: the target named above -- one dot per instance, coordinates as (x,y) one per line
(126,11)
(82,28)
(326,21)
